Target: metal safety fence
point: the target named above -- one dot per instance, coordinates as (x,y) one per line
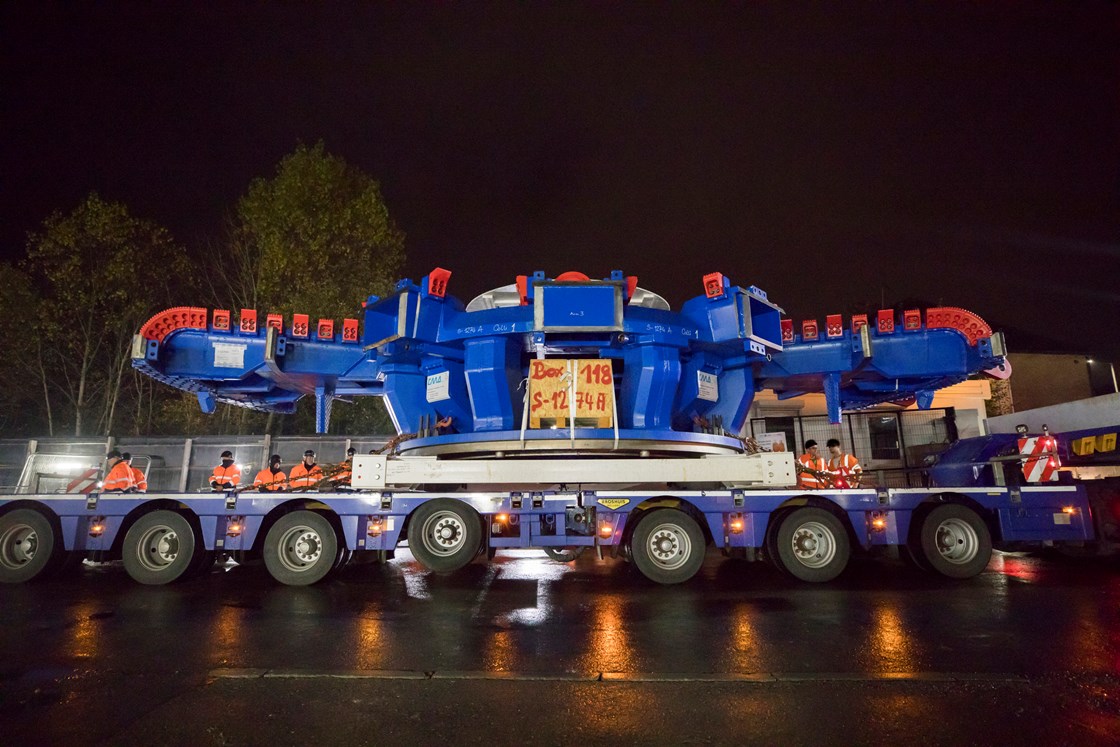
(173,464)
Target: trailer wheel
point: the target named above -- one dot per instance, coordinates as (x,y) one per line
(564,554)
(444,534)
(159,548)
(668,546)
(812,545)
(956,541)
(27,546)
(300,548)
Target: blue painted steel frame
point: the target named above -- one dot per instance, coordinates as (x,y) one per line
(1018,515)
(734,337)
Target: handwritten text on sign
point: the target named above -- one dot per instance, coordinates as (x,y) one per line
(555,383)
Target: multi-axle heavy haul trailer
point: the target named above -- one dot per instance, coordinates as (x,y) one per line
(560,414)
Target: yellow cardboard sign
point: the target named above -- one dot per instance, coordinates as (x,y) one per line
(556,383)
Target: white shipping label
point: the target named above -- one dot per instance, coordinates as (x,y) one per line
(229,356)
(709,386)
(438,384)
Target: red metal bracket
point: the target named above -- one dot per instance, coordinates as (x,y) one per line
(834,325)
(325,329)
(713,285)
(248,322)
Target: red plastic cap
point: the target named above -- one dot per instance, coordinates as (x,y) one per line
(713,284)
(301,325)
(787,330)
(248,322)
(885,321)
(809,330)
(572,276)
(834,325)
(437,282)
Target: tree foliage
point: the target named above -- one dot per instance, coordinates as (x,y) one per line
(99,272)
(316,238)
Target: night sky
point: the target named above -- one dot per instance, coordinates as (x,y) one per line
(965,153)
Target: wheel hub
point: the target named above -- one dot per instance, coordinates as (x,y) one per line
(957,541)
(669,546)
(18,546)
(308,547)
(813,545)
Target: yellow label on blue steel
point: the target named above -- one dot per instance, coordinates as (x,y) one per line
(613,503)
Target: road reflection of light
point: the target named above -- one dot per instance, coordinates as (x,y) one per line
(415,580)
(500,653)
(85,638)
(226,635)
(742,638)
(370,640)
(533,564)
(1015,566)
(609,648)
(892,647)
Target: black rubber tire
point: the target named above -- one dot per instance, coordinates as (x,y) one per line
(771,542)
(342,558)
(955,541)
(823,548)
(459,531)
(159,548)
(204,561)
(564,554)
(297,563)
(680,550)
(28,546)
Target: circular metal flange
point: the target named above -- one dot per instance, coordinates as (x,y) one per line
(588,442)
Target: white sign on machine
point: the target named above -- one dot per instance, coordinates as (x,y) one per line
(708,385)
(229,356)
(437,386)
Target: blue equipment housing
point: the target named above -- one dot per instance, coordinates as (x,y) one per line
(687,375)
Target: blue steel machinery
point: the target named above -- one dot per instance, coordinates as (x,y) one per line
(455,375)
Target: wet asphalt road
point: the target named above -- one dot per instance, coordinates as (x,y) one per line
(530,651)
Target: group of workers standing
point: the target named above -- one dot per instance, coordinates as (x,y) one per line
(840,470)
(122,477)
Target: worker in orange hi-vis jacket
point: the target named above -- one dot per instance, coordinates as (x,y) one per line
(844,466)
(271,479)
(341,478)
(307,473)
(227,475)
(813,460)
(118,476)
(138,478)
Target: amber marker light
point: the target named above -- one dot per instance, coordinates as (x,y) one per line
(502,518)
(606,530)
(97,528)
(233,529)
(879,524)
(1069,509)
(736,526)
